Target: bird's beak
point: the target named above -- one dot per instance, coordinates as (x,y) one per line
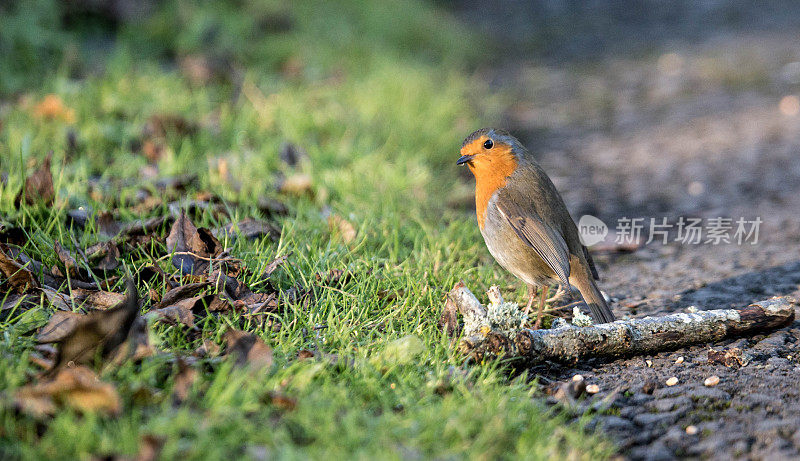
(464,159)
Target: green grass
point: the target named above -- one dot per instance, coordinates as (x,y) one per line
(381,106)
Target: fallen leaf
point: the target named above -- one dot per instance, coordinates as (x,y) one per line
(38,186)
(342,227)
(11,234)
(103,256)
(280,400)
(17,275)
(106,225)
(53,108)
(180,313)
(292,154)
(304,354)
(99,333)
(179,293)
(60,301)
(96,299)
(248,349)
(296,184)
(448,322)
(207,349)
(273,266)
(153,150)
(183,382)
(733,357)
(69,262)
(191,247)
(150,447)
(60,325)
(78,388)
(249,228)
(272,207)
(13,300)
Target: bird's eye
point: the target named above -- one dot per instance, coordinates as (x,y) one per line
(488,144)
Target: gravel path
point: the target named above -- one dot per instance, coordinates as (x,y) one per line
(661,119)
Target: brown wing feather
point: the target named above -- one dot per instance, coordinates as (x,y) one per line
(548,243)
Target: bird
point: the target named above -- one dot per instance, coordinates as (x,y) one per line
(525,223)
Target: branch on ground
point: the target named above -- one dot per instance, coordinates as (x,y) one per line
(483,338)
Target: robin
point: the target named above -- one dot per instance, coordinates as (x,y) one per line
(525,223)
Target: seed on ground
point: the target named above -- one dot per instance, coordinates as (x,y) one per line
(592,389)
(672,381)
(649,363)
(577,378)
(691,430)
(711,381)
(679,360)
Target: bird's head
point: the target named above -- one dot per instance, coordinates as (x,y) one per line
(491,152)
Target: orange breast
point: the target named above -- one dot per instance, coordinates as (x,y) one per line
(491,172)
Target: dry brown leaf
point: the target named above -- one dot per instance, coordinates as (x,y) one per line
(248,228)
(342,227)
(150,447)
(60,325)
(248,349)
(100,333)
(97,299)
(17,275)
(280,400)
(181,312)
(733,357)
(59,300)
(38,186)
(104,256)
(106,225)
(69,262)
(448,322)
(53,108)
(271,207)
(183,381)
(192,246)
(11,234)
(13,300)
(179,293)
(78,388)
(296,184)
(292,154)
(207,349)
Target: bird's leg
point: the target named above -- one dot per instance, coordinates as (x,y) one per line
(531,295)
(560,292)
(542,301)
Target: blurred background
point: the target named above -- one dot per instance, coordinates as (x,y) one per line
(656,106)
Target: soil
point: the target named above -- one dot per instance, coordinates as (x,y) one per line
(640,112)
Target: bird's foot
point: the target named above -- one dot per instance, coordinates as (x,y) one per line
(558,297)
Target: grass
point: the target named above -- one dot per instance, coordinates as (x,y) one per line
(380,103)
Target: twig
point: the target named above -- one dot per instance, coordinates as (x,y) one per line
(621,338)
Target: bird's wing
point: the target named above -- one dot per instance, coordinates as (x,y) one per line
(546,241)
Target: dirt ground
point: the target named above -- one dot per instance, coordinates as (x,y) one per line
(693,112)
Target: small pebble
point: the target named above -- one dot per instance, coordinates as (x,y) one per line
(672,381)
(577,378)
(592,389)
(679,361)
(692,309)
(711,381)
(691,430)
(649,363)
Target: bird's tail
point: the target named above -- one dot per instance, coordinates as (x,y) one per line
(601,313)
